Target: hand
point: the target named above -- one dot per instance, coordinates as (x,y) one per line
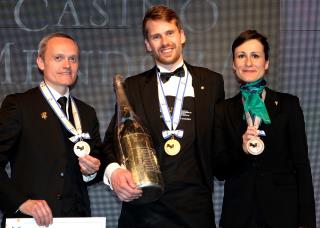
(250,133)
(39,210)
(89,165)
(124,186)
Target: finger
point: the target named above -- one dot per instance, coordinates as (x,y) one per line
(40,213)
(90,163)
(37,214)
(83,168)
(249,135)
(124,191)
(85,171)
(123,185)
(47,213)
(39,210)
(134,197)
(37,218)
(252,130)
(127,197)
(130,181)
(131,192)
(90,160)
(86,162)
(88,167)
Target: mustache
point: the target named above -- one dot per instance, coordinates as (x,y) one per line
(167,46)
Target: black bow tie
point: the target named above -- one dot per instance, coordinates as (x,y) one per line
(165,76)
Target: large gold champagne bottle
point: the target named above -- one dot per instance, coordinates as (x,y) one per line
(135,147)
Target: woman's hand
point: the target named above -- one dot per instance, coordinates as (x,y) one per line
(250,133)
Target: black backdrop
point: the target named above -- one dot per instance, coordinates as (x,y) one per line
(109,34)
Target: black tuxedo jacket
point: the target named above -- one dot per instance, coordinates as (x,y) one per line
(43,164)
(142,93)
(276,184)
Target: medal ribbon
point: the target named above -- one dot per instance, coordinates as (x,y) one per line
(77,130)
(166,134)
(257,119)
(252,102)
(173,121)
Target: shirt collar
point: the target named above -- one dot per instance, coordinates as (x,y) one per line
(162,69)
(56,94)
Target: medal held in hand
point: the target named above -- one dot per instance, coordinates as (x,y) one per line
(255,146)
(81,148)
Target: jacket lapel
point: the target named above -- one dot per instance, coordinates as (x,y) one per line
(200,99)
(235,111)
(201,103)
(149,95)
(272,104)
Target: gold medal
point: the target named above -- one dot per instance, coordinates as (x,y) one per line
(172,147)
(255,146)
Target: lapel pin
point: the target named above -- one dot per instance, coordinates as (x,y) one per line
(44,115)
(202,87)
(276,103)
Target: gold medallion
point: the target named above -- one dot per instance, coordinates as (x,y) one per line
(172,147)
(255,146)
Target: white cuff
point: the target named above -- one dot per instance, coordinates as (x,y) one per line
(108,172)
(87,178)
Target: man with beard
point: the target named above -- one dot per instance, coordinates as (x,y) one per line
(187,172)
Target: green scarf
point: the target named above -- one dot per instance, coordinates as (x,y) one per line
(252,102)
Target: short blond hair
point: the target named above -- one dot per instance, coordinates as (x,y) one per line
(44,41)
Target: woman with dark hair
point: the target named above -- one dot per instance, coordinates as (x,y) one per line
(261,148)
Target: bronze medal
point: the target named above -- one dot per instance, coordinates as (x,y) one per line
(81,148)
(255,146)
(172,147)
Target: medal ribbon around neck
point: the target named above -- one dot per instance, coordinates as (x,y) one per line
(173,121)
(77,130)
(252,102)
(257,119)
(255,146)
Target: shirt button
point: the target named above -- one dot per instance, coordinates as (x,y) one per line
(61,174)
(59,197)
